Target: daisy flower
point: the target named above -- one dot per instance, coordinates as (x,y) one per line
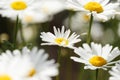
(13,66)
(96,56)
(60,38)
(32,17)
(31,11)
(42,69)
(51,7)
(101,9)
(12,8)
(115,72)
(27,65)
(43,11)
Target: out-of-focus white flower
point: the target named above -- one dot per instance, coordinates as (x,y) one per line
(60,38)
(115,72)
(27,65)
(51,7)
(25,9)
(78,23)
(29,33)
(32,17)
(101,9)
(13,66)
(97,32)
(43,11)
(31,11)
(96,56)
(12,8)
(42,69)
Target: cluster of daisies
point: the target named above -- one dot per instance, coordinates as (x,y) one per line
(30,11)
(94,56)
(34,11)
(33,64)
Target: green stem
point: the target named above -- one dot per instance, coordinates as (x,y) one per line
(70,20)
(96,74)
(69,66)
(58,61)
(81,72)
(89,31)
(15,33)
(21,33)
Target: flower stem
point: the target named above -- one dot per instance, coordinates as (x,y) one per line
(70,20)
(97,74)
(58,61)
(15,32)
(89,31)
(21,33)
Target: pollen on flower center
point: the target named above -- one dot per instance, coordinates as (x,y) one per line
(94,6)
(18,5)
(32,72)
(5,77)
(97,61)
(61,41)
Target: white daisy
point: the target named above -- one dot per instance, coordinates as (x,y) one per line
(42,69)
(13,66)
(115,72)
(101,9)
(51,7)
(34,17)
(27,65)
(28,32)
(43,11)
(60,38)
(96,56)
(12,8)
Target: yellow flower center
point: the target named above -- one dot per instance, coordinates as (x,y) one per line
(61,41)
(32,72)
(18,5)
(97,61)
(5,77)
(94,6)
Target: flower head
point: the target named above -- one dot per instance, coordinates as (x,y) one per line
(27,65)
(96,56)
(51,7)
(14,7)
(13,66)
(33,16)
(101,9)
(43,11)
(60,38)
(30,11)
(42,69)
